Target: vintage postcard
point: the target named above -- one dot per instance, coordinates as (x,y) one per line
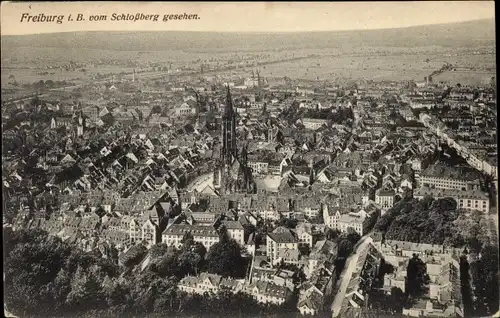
(262,159)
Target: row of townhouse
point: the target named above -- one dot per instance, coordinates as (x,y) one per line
(487,166)
(263,291)
(320,272)
(122,231)
(360,283)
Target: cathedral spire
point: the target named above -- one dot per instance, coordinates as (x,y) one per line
(244,162)
(228,111)
(229,150)
(232,174)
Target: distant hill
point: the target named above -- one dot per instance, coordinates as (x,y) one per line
(464,34)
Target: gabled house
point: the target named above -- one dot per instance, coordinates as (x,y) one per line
(280,240)
(150,233)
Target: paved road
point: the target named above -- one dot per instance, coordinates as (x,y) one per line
(349,269)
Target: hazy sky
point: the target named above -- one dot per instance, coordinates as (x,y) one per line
(252,16)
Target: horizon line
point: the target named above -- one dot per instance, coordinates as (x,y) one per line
(252,32)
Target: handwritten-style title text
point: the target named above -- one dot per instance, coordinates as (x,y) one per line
(79,17)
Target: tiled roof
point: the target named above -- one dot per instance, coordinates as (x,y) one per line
(270,289)
(284,236)
(233,225)
(195,230)
(442,171)
(452,193)
(313,301)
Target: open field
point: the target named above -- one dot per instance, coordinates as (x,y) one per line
(374,67)
(26,63)
(360,66)
(466,78)
(389,54)
(29,76)
(367,63)
(386,67)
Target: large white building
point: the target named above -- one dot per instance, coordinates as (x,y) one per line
(186,108)
(235,231)
(441,182)
(384,198)
(313,124)
(355,221)
(469,200)
(204,234)
(342,222)
(280,241)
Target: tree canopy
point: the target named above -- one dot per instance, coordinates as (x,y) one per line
(424,221)
(346,243)
(45,276)
(224,258)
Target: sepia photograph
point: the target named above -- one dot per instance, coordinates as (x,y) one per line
(249,159)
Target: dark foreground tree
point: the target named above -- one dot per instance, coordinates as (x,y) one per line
(224,258)
(417,279)
(485,279)
(396,299)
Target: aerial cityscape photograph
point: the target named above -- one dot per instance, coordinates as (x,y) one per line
(257,159)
